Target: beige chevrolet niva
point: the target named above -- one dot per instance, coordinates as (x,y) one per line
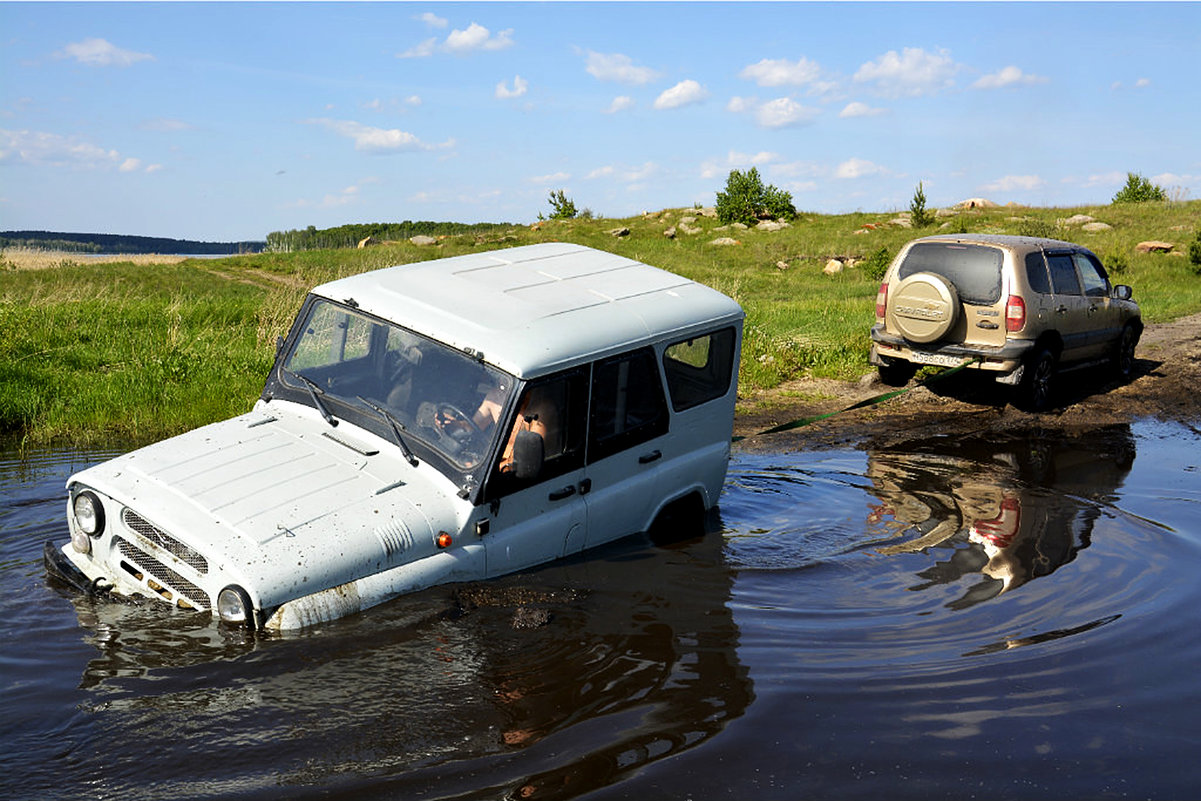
(1022,308)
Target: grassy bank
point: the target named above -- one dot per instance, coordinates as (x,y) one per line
(127,353)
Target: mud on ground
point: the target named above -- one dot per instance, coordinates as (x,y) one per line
(1166,385)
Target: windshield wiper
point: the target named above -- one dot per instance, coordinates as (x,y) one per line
(314,393)
(397,427)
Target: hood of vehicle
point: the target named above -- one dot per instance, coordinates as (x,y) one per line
(282,502)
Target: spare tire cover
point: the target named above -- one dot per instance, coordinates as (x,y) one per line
(924,307)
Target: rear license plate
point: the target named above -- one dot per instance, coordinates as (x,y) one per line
(936,359)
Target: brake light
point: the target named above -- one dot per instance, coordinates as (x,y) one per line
(882,300)
(1015,314)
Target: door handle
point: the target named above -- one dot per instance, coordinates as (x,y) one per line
(560,494)
(647,458)
(1061,309)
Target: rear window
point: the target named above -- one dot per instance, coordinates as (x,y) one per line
(975,270)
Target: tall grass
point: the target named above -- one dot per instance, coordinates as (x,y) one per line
(122,352)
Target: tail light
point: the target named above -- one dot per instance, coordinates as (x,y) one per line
(1015,314)
(882,300)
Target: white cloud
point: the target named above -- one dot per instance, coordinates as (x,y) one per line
(684,93)
(600,172)
(433,20)
(520,87)
(413,100)
(857,168)
(376,140)
(636,174)
(620,103)
(153,167)
(1105,179)
(1142,83)
(552,178)
(619,68)
(102,53)
(166,125)
(912,72)
(734,160)
(857,109)
(421,50)
(784,112)
(1009,76)
(737,105)
(1014,183)
(130,165)
(477,37)
(782,72)
(54,150)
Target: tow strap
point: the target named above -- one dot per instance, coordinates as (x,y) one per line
(804,421)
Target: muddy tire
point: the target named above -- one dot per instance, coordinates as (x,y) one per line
(1123,354)
(924,307)
(1034,392)
(896,373)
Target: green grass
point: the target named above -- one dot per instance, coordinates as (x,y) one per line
(126,353)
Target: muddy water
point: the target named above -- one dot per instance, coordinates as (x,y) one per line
(957,618)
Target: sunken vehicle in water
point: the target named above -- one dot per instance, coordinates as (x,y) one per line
(445,421)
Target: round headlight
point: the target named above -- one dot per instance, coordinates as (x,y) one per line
(80,541)
(233,605)
(89,514)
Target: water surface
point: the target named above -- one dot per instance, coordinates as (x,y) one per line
(998,618)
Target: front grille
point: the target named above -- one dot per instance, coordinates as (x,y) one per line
(135,522)
(168,584)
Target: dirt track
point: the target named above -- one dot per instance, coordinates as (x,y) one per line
(1166,385)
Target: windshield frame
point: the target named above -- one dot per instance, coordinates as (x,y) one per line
(365,355)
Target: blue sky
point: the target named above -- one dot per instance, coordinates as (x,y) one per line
(223,121)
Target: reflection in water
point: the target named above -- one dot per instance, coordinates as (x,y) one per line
(983,506)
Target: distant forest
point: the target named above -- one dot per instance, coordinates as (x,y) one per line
(348,236)
(121,243)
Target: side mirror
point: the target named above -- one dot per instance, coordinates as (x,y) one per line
(528,454)
(1122,292)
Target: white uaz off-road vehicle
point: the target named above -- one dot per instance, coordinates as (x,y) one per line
(1021,308)
(444,421)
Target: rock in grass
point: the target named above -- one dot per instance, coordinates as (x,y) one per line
(1154,246)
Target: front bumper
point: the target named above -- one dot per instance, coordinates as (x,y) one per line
(1003,360)
(63,569)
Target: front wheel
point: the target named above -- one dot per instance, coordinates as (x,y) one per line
(1034,392)
(1123,355)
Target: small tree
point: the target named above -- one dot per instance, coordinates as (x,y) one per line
(747,200)
(918,216)
(1194,253)
(562,207)
(1139,190)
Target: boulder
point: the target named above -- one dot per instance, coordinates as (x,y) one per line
(833,267)
(708,211)
(1078,219)
(422,240)
(976,203)
(618,232)
(901,222)
(685,228)
(724,241)
(772,225)
(1154,246)
(781,265)
(670,233)
(1094,227)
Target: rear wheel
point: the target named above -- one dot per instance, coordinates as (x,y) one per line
(1034,392)
(896,373)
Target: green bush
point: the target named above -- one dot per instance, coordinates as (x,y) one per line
(876,264)
(1115,262)
(1139,190)
(561,206)
(919,217)
(1194,253)
(746,200)
(1039,228)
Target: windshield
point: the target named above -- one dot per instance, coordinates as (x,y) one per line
(430,391)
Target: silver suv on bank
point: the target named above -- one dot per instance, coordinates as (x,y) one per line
(1022,308)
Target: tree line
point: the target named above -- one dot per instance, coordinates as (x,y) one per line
(120,243)
(349,236)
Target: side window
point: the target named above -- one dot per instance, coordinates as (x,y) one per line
(1063,274)
(628,406)
(556,409)
(1092,274)
(1036,273)
(699,369)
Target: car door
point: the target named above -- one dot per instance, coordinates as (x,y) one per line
(628,425)
(1069,307)
(1103,315)
(533,517)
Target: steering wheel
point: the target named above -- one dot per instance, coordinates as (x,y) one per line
(455,423)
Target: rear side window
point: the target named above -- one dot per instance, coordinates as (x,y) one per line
(699,369)
(1036,273)
(975,270)
(628,407)
(1063,274)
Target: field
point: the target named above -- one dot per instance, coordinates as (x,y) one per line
(124,352)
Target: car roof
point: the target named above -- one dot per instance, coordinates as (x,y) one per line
(1023,243)
(538,308)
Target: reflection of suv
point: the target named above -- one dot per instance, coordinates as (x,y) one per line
(1024,308)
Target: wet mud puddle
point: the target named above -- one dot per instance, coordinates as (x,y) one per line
(1012,617)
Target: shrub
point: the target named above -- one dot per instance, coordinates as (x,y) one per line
(876,264)
(1038,228)
(562,207)
(1115,262)
(919,217)
(1194,253)
(1139,190)
(746,200)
